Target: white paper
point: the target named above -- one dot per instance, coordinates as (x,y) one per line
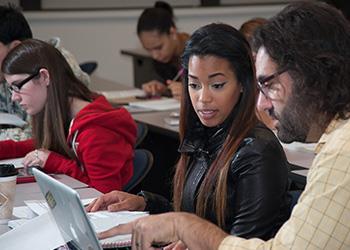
(11,119)
(115,94)
(158,105)
(17,162)
(23,212)
(37,206)
(16,223)
(40,233)
(103,220)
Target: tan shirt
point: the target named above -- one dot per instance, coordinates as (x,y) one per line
(321,218)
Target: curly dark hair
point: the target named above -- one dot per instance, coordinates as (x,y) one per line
(312,41)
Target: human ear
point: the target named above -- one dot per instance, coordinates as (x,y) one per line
(14,43)
(45,75)
(173,33)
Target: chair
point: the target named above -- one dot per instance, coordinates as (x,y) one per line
(88,67)
(142,131)
(294,194)
(143,162)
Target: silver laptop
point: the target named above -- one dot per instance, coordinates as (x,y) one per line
(68,212)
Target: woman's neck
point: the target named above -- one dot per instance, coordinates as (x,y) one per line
(77,105)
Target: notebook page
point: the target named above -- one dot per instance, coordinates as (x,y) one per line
(104,220)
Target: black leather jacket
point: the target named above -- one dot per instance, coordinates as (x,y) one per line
(257,201)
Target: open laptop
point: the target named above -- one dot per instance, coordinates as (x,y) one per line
(69,214)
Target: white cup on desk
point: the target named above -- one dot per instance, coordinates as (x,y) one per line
(8,176)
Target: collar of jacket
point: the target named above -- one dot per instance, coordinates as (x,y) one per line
(205,140)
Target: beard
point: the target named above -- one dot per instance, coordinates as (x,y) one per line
(295,120)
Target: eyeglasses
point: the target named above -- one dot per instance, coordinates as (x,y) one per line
(17,87)
(270,90)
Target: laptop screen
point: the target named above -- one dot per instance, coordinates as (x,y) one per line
(68,213)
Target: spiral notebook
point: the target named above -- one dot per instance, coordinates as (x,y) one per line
(76,228)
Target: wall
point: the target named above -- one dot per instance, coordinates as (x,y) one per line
(99,35)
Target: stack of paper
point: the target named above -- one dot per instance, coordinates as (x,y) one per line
(37,229)
(118,94)
(158,105)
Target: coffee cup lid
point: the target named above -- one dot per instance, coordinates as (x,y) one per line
(7,170)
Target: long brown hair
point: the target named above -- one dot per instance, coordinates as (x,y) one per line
(51,124)
(222,41)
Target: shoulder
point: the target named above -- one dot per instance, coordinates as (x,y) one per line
(260,149)
(336,139)
(260,139)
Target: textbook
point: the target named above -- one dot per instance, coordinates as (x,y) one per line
(11,119)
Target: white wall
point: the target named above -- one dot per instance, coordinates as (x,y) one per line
(99,35)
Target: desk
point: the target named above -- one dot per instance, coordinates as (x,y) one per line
(32,187)
(101,84)
(155,121)
(143,67)
(300,156)
(31,191)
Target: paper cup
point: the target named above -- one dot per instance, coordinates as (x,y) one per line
(7,194)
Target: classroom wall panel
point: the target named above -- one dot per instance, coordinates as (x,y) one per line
(100,35)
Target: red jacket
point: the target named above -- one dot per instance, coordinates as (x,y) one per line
(103,139)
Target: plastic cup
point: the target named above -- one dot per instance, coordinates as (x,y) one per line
(8,176)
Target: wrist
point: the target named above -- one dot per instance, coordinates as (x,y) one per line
(143,196)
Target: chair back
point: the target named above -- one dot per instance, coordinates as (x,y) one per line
(143,162)
(88,67)
(142,131)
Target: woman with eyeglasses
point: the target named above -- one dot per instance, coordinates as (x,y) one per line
(75,131)
(232,170)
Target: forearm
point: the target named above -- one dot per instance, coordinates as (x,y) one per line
(198,233)
(13,149)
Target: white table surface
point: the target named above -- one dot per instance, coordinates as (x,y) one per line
(31,191)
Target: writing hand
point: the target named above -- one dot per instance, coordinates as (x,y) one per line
(117,201)
(175,88)
(154,87)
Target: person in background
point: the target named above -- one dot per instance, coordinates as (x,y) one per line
(247,29)
(303,68)
(75,131)
(158,34)
(232,170)
(14,29)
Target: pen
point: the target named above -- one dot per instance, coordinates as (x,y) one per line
(179,73)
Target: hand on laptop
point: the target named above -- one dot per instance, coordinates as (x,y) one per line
(117,201)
